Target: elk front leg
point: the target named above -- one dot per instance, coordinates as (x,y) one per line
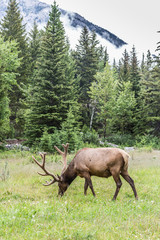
(88,182)
(85,187)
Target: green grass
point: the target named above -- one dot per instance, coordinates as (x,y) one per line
(28,210)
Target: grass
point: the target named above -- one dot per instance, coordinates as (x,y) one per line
(28,210)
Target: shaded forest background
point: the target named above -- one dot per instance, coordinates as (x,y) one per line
(51,94)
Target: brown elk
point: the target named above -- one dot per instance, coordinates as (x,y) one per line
(101,162)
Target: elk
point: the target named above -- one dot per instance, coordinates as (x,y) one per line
(101,162)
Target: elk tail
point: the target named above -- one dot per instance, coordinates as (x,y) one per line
(126,156)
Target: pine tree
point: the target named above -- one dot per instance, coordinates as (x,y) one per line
(151,84)
(34,47)
(124,71)
(102,93)
(142,63)
(123,110)
(134,73)
(136,78)
(129,79)
(12,28)
(70,131)
(146,70)
(53,91)
(103,58)
(86,56)
(9,63)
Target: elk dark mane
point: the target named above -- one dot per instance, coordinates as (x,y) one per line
(69,175)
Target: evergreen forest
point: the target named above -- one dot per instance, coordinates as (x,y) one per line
(51,94)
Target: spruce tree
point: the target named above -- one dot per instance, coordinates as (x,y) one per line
(12,28)
(9,63)
(124,71)
(70,131)
(142,63)
(134,72)
(123,110)
(34,47)
(146,70)
(53,91)
(140,111)
(103,58)
(86,56)
(102,93)
(152,93)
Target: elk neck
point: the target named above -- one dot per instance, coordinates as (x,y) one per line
(70,174)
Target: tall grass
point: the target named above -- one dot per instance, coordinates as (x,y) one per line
(28,210)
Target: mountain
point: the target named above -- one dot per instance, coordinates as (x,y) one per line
(73,22)
(78,21)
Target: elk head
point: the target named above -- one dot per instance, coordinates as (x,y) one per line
(61,183)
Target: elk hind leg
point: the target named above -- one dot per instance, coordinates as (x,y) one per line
(126,176)
(118,184)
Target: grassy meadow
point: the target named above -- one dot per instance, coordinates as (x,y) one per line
(28,210)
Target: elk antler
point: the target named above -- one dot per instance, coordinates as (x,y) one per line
(55,179)
(64,155)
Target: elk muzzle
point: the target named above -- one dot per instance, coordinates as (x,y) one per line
(62,188)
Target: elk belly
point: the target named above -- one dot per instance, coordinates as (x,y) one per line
(106,173)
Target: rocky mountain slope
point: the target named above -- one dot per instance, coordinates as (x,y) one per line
(39,11)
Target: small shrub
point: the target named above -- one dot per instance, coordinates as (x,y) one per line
(90,136)
(5,172)
(59,137)
(121,139)
(73,137)
(45,142)
(149,141)
(2,147)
